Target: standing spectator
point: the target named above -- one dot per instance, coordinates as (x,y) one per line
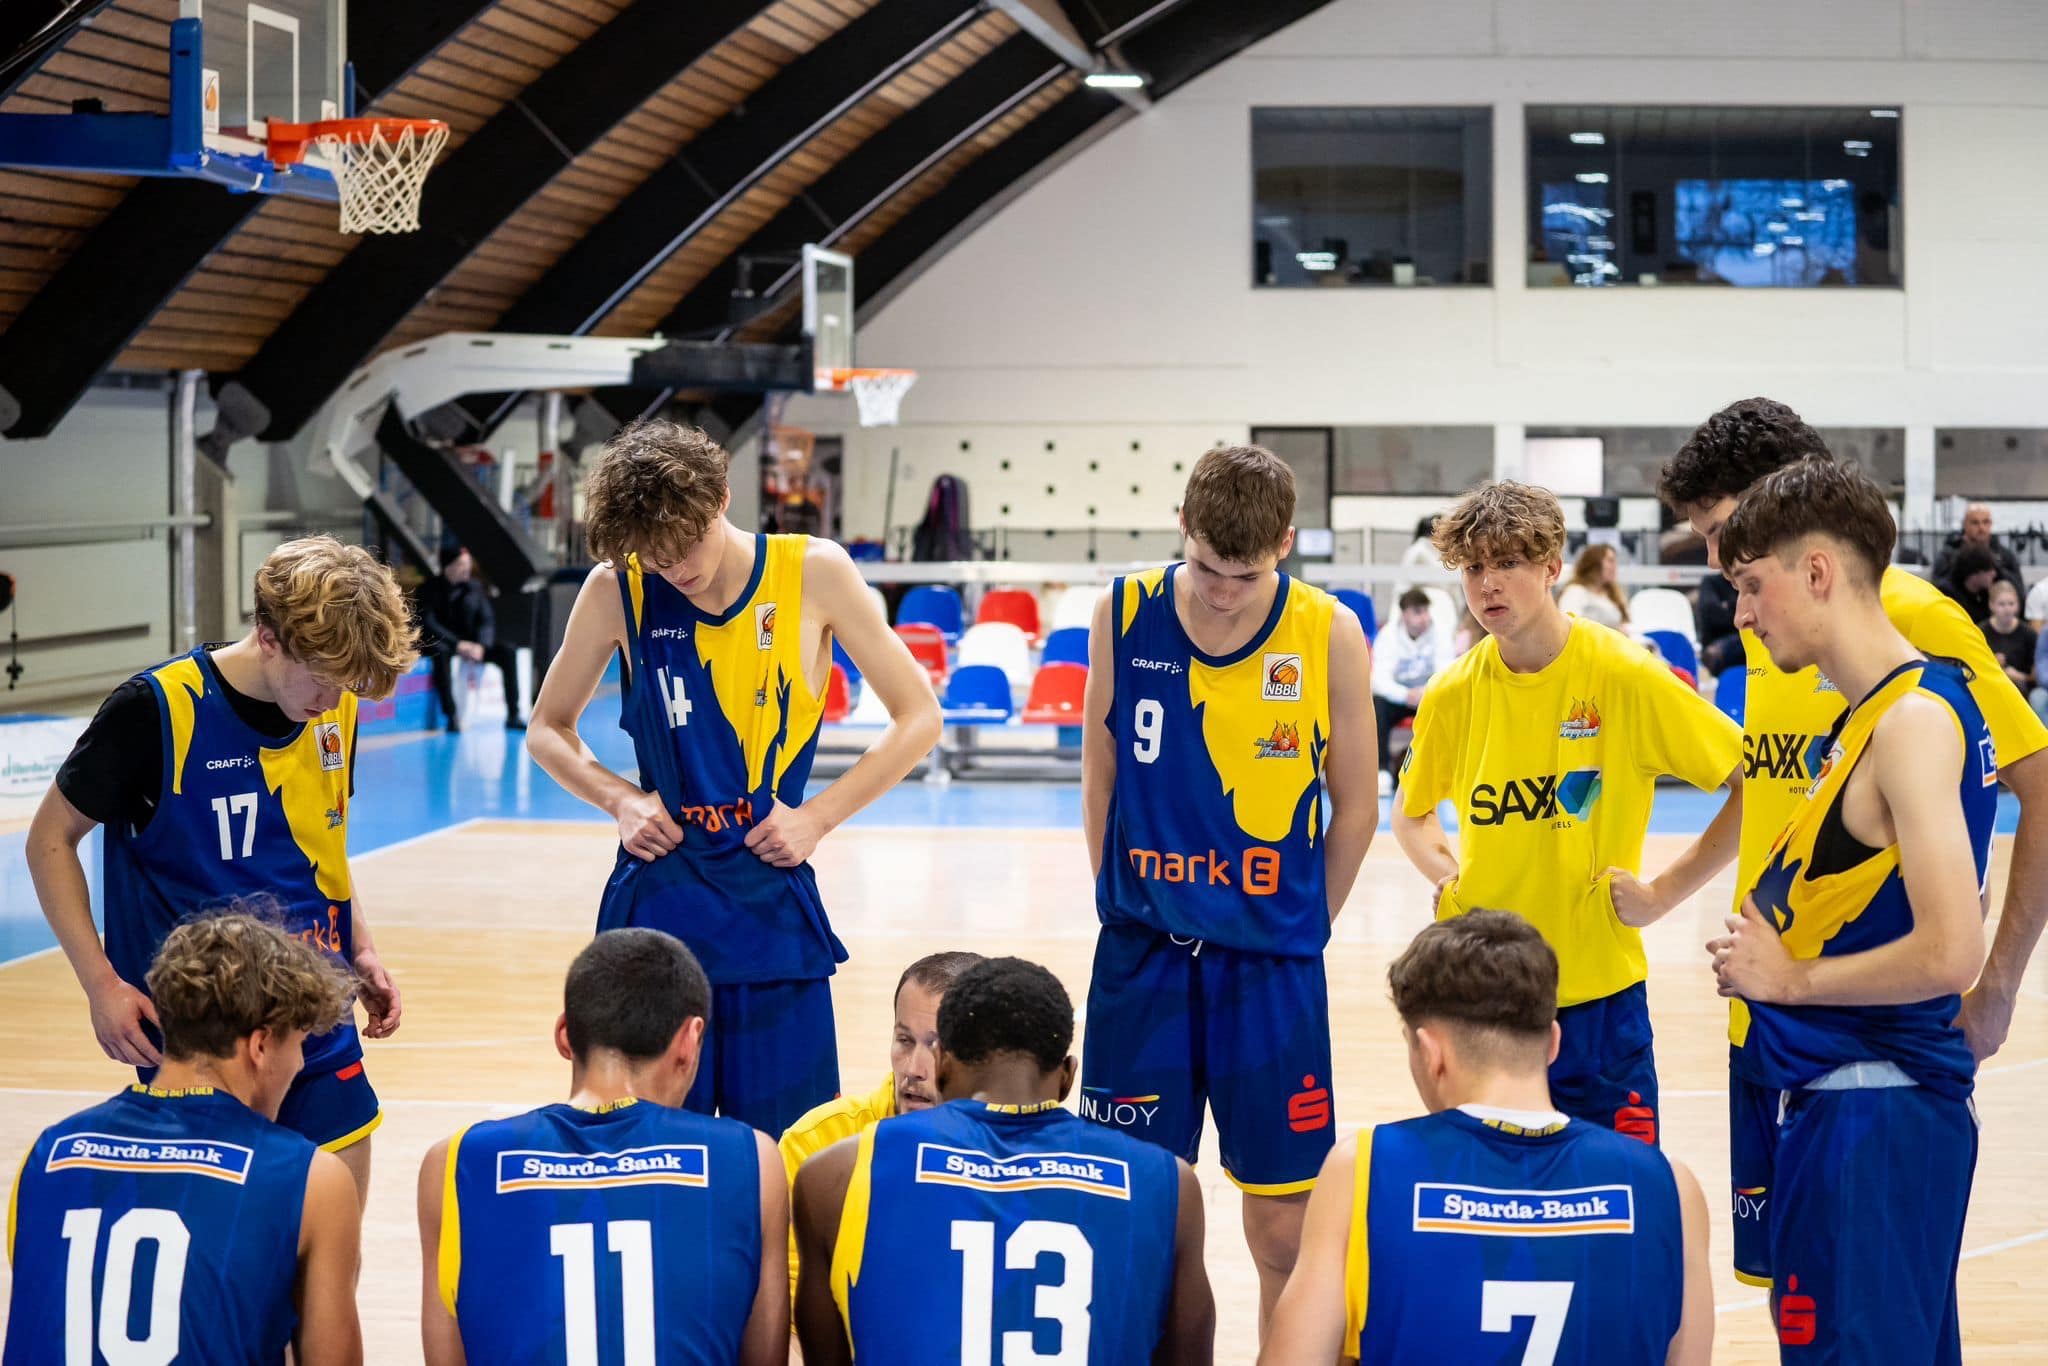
(1977,532)
(1410,650)
(2012,641)
(456,618)
(1971,572)
(1421,553)
(1714,613)
(1594,591)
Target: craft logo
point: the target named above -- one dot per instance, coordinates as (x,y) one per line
(1090,1173)
(764,624)
(1583,722)
(1545,797)
(154,1156)
(1309,1108)
(328,735)
(1123,1111)
(1482,1210)
(1283,743)
(1283,678)
(238,761)
(668,633)
(1163,666)
(665,1164)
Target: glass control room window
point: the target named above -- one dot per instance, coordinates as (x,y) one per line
(1371,197)
(1690,195)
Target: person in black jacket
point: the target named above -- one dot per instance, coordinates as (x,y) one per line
(1977,532)
(456,618)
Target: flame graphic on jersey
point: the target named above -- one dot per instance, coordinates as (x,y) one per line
(1582,722)
(1283,743)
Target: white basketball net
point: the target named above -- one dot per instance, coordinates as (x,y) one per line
(880,395)
(380,178)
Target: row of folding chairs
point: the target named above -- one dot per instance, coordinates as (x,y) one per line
(934,604)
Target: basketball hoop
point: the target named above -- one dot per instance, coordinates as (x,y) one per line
(380,165)
(879,393)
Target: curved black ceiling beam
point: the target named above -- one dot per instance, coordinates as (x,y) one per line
(487,180)
(162,230)
(30,30)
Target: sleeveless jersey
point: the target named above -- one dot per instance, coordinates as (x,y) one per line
(1830,894)
(975,1232)
(630,1233)
(1474,1241)
(1553,774)
(1787,719)
(240,814)
(158,1226)
(724,725)
(1215,824)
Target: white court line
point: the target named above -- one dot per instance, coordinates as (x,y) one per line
(1988,1250)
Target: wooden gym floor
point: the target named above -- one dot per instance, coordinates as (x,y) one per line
(478,921)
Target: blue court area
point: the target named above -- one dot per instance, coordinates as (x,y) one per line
(410,784)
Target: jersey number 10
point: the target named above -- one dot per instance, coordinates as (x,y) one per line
(1064,1301)
(159,1345)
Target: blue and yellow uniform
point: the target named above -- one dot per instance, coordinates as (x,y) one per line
(158,1225)
(242,814)
(627,1233)
(1061,1238)
(724,725)
(1787,720)
(1480,1240)
(1208,980)
(1553,773)
(1876,1138)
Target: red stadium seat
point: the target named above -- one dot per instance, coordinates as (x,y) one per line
(1055,698)
(838,700)
(927,647)
(1017,606)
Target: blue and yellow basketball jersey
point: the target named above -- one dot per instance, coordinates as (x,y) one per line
(630,1233)
(1476,1241)
(1215,821)
(157,1226)
(976,1232)
(240,814)
(1788,719)
(1830,894)
(724,725)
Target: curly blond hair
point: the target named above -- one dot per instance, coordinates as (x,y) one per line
(1501,520)
(656,491)
(339,612)
(222,977)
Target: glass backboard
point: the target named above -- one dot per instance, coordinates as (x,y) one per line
(828,312)
(268,59)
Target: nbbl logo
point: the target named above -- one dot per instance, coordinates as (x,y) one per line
(1283,676)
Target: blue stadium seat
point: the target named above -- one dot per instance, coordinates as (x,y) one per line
(1731,687)
(1068,645)
(1678,651)
(935,605)
(1362,605)
(977,695)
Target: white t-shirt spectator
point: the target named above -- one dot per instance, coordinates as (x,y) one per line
(1401,661)
(1582,601)
(2037,604)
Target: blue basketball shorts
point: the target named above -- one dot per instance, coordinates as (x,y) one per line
(1866,1224)
(1174,1026)
(1605,1073)
(770,1053)
(1752,1170)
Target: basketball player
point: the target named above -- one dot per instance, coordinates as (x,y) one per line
(1495,1228)
(913,1072)
(177,1221)
(616,1226)
(997,1226)
(1224,701)
(1550,736)
(1860,932)
(727,638)
(1786,721)
(229,772)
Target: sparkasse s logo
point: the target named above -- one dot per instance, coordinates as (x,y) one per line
(1309,1108)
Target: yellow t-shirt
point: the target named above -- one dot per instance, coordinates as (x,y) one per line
(1553,773)
(821,1127)
(1787,717)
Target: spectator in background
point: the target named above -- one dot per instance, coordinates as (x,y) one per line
(1714,614)
(456,619)
(1971,572)
(1594,589)
(1410,650)
(2038,695)
(2012,641)
(1977,532)
(2037,606)
(1469,633)
(1421,552)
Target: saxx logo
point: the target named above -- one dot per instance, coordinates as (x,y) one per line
(1548,796)
(1777,754)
